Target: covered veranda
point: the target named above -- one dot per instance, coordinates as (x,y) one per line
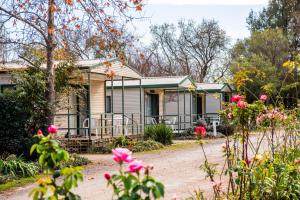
(168,100)
(86,120)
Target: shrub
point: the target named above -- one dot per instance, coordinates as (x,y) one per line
(15,167)
(159,133)
(135,182)
(14,120)
(76,160)
(133,145)
(225,129)
(51,159)
(147,145)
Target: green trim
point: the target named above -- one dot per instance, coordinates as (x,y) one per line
(190,78)
(210,91)
(146,86)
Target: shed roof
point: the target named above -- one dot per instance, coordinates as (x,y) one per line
(214,87)
(100,66)
(156,82)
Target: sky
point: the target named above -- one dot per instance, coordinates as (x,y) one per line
(231,14)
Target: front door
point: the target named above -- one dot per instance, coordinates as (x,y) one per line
(199,106)
(153,106)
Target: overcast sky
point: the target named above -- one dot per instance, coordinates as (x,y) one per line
(209,2)
(231,14)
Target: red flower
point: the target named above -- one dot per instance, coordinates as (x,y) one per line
(52,129)
(39,132)
(236,98)
(200,131)
(107,176)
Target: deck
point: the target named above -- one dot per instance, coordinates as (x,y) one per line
(85,144)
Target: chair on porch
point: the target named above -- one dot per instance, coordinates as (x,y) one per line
(118,124)
(171,123)
(94,125)
(153,121)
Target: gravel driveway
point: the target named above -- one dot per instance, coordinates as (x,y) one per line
(178,169)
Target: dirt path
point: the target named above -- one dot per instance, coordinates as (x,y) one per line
(178,169)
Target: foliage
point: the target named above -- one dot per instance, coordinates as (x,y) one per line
(6,183)
(257,67)
(265,169)
(278,13)
(278,178)
(194,51)
(76,160)
(159,133)
(131,144)
(225,129)
(16,167)
(14,122)
(25,108)
(51,159)
(131,184)
(54,26)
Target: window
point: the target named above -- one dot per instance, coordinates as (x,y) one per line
(108,104)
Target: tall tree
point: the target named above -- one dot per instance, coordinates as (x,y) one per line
(259,67)
(188,48)
(52,24)
(278,14)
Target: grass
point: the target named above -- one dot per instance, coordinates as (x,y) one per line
(18,183)
(175,146)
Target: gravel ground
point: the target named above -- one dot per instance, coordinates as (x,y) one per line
(177,168)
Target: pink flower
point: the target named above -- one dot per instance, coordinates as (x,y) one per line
(122,155)
(200,131)
(241,104)
(52,129)
(263,98)
(135,166)
(230,116)
(260,119)
(236,98)
(297,161)
(107,176)
(39,132)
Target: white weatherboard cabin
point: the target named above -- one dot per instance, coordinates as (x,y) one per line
(174,100)
(83,118)
(210,99)
(164,99)
(125,104)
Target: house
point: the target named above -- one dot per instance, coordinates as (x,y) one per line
(164,99)
(84,116)
(175,100)
(210,99)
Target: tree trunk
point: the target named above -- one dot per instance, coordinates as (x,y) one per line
(50,93)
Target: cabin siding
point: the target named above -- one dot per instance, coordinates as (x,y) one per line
(131,100)
(213,103)
(97,98)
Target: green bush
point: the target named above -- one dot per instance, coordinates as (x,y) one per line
(159,133)
(147,145)
(15,167)
(131,144)
(76,160)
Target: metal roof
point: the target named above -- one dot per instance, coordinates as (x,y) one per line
(101,66)
(156,82)
(213,87)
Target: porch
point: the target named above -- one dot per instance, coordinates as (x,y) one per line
(88,119)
